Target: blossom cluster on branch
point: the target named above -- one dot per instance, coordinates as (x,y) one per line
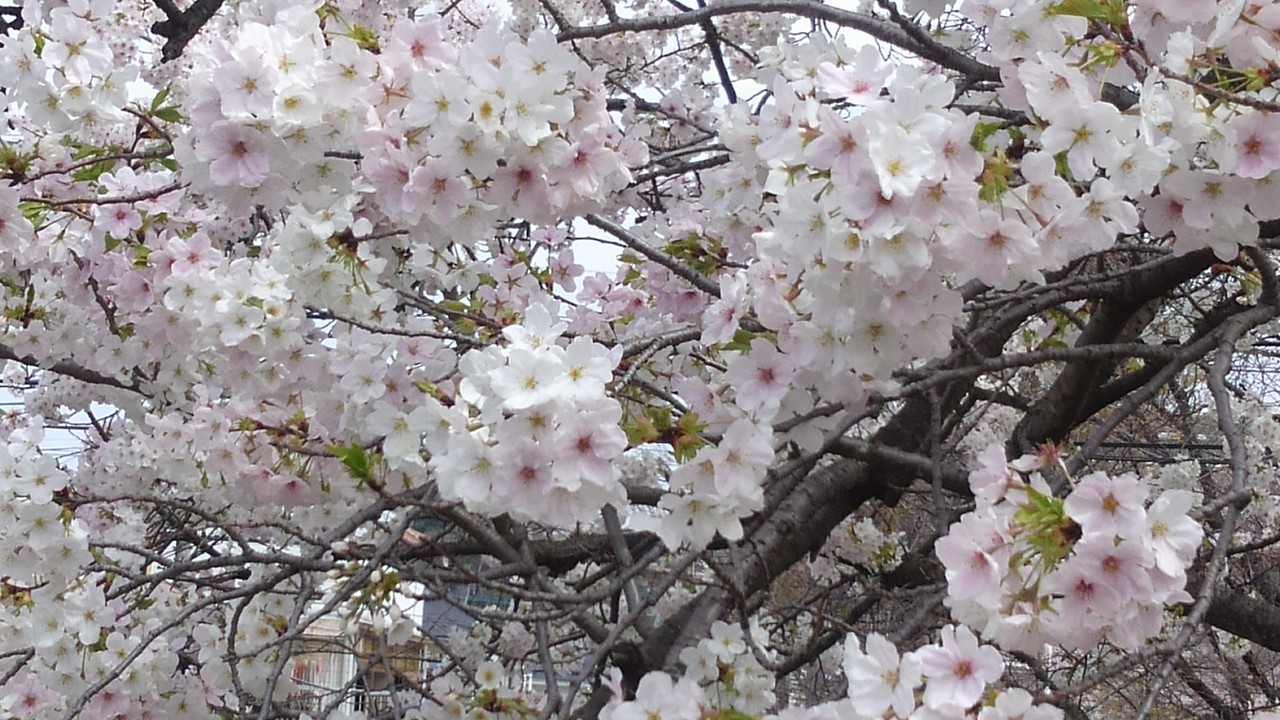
(649,345)
(1028,568)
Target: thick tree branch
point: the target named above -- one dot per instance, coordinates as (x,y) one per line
(181,26)
(883,30)
(67,368)
(1121,316)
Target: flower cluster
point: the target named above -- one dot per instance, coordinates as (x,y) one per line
(858,543)
(77,631)
(726,667)
(1027,568)
(1198,184)
(658,696)
(466,134)
(860,221)
(955,674)
(950,679)
(721,672)
(715,489)
(539,437)
(322,277)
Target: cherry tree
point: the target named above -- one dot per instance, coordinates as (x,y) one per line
(914,374)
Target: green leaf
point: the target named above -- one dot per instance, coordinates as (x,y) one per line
(355,459)
(698,251)
(640,431)
(34,212)
(1106,54)
(689,423)
(158,101)
(168,114)
(140,255)
(741,341)
(688,440)
(1078,8)
(367,39)
(1256,78)
(995,176)
(90,173)
(983,132)
(731,714)
(1108,11)
(80,152)
(13,162)
(1049,531)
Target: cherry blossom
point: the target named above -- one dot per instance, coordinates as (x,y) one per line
(1018,703)
(859,82)
(762,377)
(656,341)
(1107,505)
(659,697)
(1255,138)
(238,155)
(959,668)
(880,680)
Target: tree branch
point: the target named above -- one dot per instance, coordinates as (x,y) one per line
(883,30)
(180,27)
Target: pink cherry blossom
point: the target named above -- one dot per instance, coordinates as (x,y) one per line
(761,377)
(1123,567)
(1087,132)
(859,82)
(592,441)
(1087,599)
(1173,536)
(30,698)
(238,155)
(298,292)
(969,553)
(1018,704)
(530,379)
(658,697)
(880,680)
(119,221)
(959,669)
(1106,505)
(720,320)
(1257,143)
